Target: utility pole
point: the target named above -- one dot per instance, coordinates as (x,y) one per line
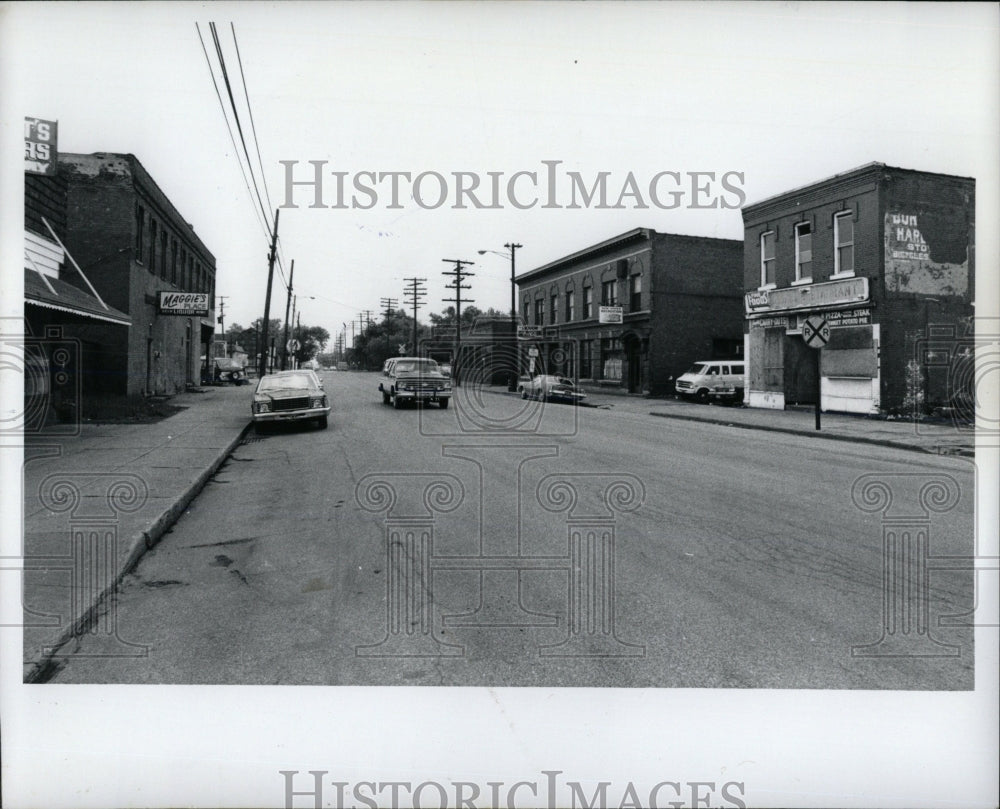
(262,370)
(416,291)
(388,304)
(458,275)
(288,302)
(512,380)
(222,319)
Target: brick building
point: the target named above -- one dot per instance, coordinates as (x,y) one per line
(633,312)
(66,355)
(134,244)
(886,257)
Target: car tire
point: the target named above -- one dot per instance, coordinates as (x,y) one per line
(524,393)
(385,398)
(702,396)
(323,422)
(397,403)
(443,404)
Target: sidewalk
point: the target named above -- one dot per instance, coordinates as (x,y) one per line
(939,437)
(95,502)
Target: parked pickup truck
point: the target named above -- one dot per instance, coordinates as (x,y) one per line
(414,379)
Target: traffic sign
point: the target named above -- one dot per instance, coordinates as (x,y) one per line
(293,345)
(816,331)
(532,352)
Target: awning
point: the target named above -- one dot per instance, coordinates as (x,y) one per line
(64,297)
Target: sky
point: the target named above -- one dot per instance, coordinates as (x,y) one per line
(777,95)
(773,95)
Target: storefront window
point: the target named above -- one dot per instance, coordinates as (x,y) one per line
(612,359)
(586,347)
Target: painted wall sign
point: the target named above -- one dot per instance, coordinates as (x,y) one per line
(928,253)
(40,146)
(184,303)
(849,317)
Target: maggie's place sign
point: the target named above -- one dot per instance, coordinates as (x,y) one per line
(184,303)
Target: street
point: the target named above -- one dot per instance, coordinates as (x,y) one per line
(511,543)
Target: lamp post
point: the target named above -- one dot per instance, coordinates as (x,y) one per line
(512,247)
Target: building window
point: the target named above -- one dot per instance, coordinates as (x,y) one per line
(611,359)
(609,293)
(586,358)
(173,262)
(539,311)
(569,307)
(588,303)
(768,264)
(152,246)
(843,244)
(803,251)
(526,310)
(163,254)
(140,231)
(635,293)
(554,308)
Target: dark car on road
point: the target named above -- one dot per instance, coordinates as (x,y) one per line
(289,396)
(414,379)
(548,387)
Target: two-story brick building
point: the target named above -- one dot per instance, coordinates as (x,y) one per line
(134,244)
(885,256)
(633,312)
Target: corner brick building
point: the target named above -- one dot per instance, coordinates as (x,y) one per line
(633,312)
(133,243)
(884,255)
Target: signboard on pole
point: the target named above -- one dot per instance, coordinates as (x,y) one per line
(816,331)
(529,332)
(610,314)
(40,146)
(190,304)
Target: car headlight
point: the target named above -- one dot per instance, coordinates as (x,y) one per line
(318,401)
(262,407)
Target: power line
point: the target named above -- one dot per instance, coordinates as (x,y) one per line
(253,126)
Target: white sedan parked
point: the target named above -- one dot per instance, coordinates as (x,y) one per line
(551,388)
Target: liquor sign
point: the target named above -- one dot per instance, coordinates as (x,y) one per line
(610,314)
(184,303)
(40,141)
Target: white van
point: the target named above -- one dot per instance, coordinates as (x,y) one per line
(720,379)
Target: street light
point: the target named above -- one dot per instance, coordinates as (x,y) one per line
(512,247)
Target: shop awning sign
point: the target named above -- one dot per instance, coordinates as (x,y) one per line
(816,331)
(192,304)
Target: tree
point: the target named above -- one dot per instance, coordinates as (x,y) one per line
(312,340)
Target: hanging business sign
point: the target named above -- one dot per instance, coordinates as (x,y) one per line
(529,332)
(40,152)
(193,304)
(610,314)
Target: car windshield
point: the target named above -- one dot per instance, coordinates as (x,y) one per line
(415,366)
(291,381)
(699,369)
(561,380)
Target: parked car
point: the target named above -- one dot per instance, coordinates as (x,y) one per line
(289,396)
(229,371)
(719,379)
(414,379)
(548,387)
(445,369)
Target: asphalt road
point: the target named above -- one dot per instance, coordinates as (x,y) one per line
(510,543)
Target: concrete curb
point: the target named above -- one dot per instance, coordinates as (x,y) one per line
(40,670)
(881,442)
